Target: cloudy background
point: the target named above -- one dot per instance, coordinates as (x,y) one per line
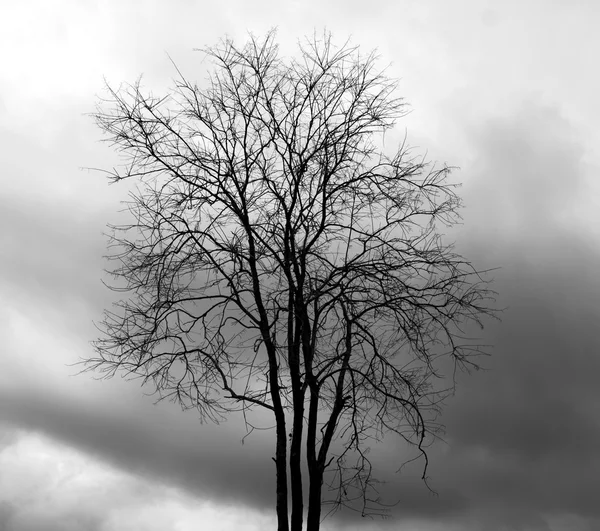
(505,90)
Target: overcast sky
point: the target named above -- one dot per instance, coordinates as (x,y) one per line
(506,90)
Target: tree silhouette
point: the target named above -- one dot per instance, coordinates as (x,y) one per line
(279,259)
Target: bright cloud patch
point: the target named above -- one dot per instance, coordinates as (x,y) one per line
(45,486)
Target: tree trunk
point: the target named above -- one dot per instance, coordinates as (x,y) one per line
(296,471)
(281,474)
(315,478)
(297,426)
(313,521)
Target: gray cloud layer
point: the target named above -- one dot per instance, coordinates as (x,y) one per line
(522,436)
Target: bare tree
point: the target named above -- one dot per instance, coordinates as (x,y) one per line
(279,259)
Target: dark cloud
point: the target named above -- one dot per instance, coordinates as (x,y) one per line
(524,435)
(521,448)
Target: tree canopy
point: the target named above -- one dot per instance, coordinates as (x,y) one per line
(279,258)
